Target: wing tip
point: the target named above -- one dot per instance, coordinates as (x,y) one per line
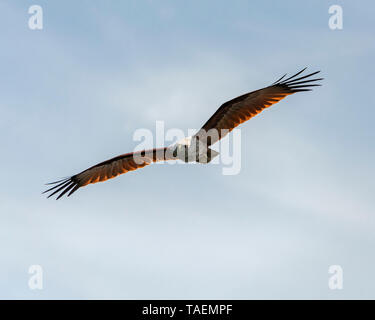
(295,83)
(61,187)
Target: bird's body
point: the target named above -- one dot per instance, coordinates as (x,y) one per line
(197,147)
(192,149)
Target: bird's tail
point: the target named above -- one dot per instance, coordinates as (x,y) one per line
(207,157)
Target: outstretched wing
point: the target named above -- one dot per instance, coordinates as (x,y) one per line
(107,170)
(238,110)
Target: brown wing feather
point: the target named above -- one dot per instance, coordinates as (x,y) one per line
(107,170)
(238,110)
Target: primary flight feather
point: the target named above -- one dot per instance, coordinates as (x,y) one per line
(196,148)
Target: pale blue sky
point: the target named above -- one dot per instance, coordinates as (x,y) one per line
(73,93)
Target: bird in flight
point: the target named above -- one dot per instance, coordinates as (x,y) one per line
(197,147)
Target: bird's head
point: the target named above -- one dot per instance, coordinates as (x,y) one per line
(180,150)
